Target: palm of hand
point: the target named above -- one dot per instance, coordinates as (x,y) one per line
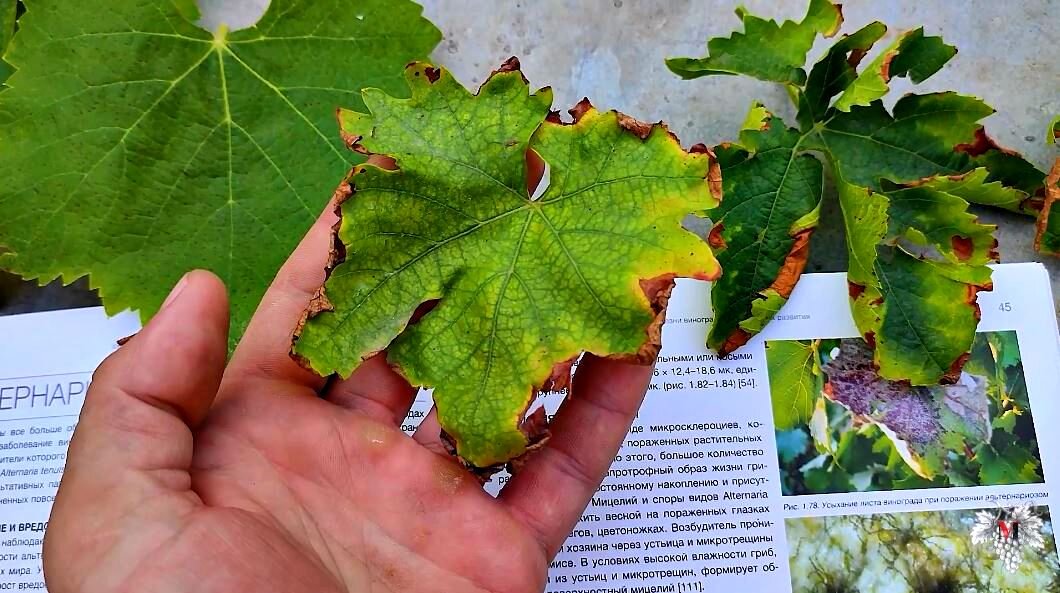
(187,475)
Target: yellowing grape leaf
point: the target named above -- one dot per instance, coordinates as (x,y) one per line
(136,145)
(522,284)
(905,177)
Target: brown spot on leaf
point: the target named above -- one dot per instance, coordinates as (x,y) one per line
(981,144)
(735,340)
(714,169)
(885,67)
(870,339)
(640,129)
(432,74)
(579,110)
(855,290)
(954,372)
(714,238)
(794,264)
(963,247)
(855,57)
(561,376)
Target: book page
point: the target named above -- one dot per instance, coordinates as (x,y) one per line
(723,482)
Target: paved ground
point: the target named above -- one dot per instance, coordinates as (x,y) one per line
(613,51)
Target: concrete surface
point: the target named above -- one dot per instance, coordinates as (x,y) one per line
(612,51)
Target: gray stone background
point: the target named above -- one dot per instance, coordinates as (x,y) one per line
(613,50)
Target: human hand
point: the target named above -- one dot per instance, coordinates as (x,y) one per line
(184,475)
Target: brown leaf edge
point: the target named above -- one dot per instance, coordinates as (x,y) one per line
(656,290)
(1052,194)
(790,273)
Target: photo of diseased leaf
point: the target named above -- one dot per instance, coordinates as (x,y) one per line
(521,282)
(891,435)
(138,146)
(904,176)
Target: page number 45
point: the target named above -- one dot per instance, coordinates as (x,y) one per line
(1005,307)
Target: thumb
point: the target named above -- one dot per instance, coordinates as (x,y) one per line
(134,439)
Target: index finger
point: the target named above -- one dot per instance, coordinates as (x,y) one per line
(550,492)
(264,350)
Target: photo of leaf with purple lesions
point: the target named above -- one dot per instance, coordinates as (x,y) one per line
(843,428)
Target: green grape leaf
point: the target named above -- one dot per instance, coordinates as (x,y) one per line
(978,187)
(912,55)
(792,382)
(9,10)
(1047,239)
(138,146)
(1010,464)
(765,50)
(521,284)
(868,144)
(762,228)
(835,72)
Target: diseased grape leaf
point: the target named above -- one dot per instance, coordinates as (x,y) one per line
(522,285)
(765,50)
(905,178)
(762,228)
(792,382)
(868,144)
(835,72)
(925,424)
(912,55)
(913,282)
(137,146)
(1047,238)
(977,187)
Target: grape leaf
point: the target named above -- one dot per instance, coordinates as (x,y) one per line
(522,285)
(923,423)
(905,178)
(762,228)
(912,55)
(9,10)
(836,71)
(138,146)
(1013,464)
(765,50)
(792,382)
(1047,239)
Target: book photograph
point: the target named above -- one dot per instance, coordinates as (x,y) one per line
(986,550)
(841,427)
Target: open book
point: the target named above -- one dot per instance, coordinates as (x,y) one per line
(787,466)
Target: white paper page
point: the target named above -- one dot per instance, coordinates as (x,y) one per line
(694,501)
(45,370)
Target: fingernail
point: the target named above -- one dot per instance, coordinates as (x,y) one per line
(177,289)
